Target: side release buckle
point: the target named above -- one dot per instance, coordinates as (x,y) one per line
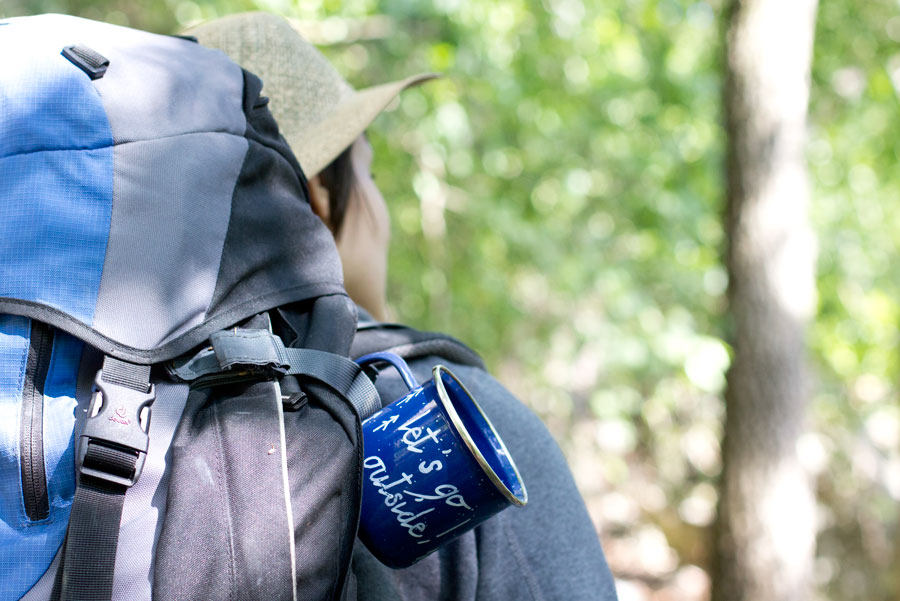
(114,440)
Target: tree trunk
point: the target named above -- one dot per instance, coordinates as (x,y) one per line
(765,536)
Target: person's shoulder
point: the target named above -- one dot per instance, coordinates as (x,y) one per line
(423,350)
(410,343)
(557,552)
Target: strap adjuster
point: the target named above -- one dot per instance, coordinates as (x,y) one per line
(257,351)
(114,426)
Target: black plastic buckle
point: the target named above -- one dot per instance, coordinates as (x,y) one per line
(117,424)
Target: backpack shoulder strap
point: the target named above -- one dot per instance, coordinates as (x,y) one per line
(409,343)
(110,455)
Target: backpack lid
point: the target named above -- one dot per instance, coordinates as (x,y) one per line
(147,206)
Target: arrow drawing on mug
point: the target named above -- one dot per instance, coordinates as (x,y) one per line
(386,423)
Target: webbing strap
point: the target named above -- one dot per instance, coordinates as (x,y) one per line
(241,353)
(410,344)
(339,373)
(89,559)
(129,375)
(111,453)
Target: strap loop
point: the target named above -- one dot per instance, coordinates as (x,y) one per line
(340,373)
(241,354)
(252,350)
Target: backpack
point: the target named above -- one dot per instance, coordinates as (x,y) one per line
(179,416)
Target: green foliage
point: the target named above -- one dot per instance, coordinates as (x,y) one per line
(853,154)
(556,202)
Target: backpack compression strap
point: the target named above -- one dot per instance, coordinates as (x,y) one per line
(111,451)
(409,343)
(241,354)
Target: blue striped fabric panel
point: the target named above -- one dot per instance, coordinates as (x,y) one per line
(56,187)
(27,548)
(56,174)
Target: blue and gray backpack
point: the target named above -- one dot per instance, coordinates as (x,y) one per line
(179,415)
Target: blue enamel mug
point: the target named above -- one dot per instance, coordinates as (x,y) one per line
(434,468)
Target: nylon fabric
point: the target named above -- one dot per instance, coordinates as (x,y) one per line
(149,90)
(243,347)
(298,326)
(64,199)
(55,175)
(343,375)
(287,244)
(409,343)
(14,339)
(145,503)
(226,460)
(136,377)
(325,487)
(220,438)
(20,537)
(172,204)
(102,178)
(47,103)
(109,460)
(166,207)
(90,551)
(43,589)
(286,489)
(326,490)
(60,405)
(144,509)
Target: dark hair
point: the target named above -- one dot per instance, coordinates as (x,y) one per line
(337,178)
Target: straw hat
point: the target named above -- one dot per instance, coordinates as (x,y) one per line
(318,113)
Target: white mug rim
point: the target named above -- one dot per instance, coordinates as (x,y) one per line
(467,439)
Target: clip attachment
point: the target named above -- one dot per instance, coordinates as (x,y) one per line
(113,442)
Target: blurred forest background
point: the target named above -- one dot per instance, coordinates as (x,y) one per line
(558,202)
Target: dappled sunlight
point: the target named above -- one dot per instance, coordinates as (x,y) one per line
(790,509)
(793,247)
(557,203)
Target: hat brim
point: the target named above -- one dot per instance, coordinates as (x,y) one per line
(318,113)
(320,144)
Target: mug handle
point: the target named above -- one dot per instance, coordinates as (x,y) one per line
(397,361)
